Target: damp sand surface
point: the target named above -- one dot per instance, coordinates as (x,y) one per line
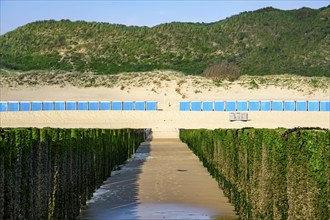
(163,180)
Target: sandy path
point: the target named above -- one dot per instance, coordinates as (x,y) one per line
(170,184)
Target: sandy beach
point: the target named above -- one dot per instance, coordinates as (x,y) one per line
(168,119)
(169,182)
(164,124)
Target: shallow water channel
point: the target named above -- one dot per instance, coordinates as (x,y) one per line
(163,180)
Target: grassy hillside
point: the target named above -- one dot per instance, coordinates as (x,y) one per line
(263,42)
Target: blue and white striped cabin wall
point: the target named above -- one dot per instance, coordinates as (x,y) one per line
(128,105)
(301,105)
(313,106)
(140,106)
(151,105)
(196,105)
(24,106)
(207,106)
(289,105)
(59,105)
(13,106)
(83,105)
(70,105)
(185,106)
(48,106)
(219,105)
(242,105)
(277,105)
(3,106)
(117,105)
(93,105)
(105,105)
(325,106)
(265,105)
(230,105)
(254,105)
(36,106)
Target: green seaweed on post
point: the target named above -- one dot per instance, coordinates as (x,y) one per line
(50,173)
(268,173)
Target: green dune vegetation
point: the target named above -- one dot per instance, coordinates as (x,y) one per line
(268,173)
(50,173)
(263,42)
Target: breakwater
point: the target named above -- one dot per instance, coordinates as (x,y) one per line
(50,173)
(268,173)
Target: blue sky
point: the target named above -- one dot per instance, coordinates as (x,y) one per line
(15,13)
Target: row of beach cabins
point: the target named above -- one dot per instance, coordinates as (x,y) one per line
(229,105)
(255,105)
(15,106)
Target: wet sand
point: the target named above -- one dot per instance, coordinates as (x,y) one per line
(164,180)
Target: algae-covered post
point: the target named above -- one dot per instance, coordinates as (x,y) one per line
(50,173)
(268,173)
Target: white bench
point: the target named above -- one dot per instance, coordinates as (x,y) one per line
(238,116)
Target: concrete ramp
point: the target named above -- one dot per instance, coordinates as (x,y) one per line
(164,180)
